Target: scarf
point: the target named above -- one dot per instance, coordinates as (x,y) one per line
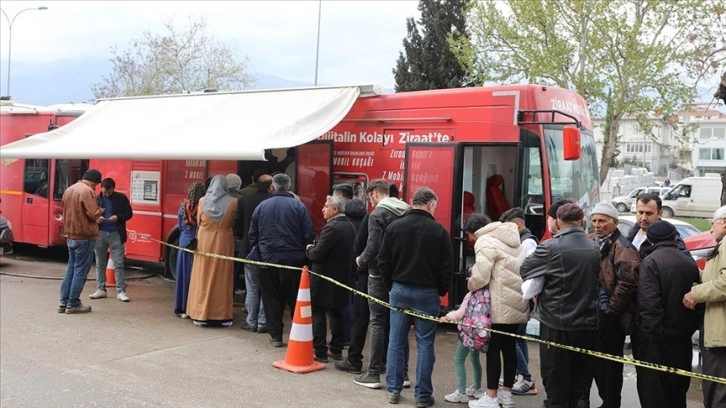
(217,199)
(189,206)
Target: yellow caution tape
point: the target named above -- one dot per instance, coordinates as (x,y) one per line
(624,360)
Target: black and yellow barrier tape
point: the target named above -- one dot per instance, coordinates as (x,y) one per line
(624,360)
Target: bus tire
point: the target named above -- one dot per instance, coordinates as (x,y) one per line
(170,255)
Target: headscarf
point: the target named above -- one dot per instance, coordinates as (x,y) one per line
(189,206)
(217,198)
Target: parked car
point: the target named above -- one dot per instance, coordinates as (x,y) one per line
(700,245)
(685,229)
(6,235)
(623,203)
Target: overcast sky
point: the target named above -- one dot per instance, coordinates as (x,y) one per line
(359,40)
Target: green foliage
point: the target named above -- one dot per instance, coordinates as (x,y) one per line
(180,61)
(634,57)
(427,62)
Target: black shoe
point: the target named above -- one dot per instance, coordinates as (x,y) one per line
(425,403)
(336,356)
(261,329)
(321,359)
(247,327)
(348,367)
(394,397)
(277,343)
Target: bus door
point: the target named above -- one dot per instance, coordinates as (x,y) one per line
(35,204)
(435,165)
(313,178)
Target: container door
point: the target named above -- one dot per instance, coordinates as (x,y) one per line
(313,179)
(434,165)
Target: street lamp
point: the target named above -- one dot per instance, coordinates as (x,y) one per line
(10,35)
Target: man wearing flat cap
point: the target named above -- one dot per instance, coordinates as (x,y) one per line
(618,284)
(563,273)
(664,326)
(80,213)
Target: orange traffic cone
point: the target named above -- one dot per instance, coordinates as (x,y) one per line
(110,272)
(299,356)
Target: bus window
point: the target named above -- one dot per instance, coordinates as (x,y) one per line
(66,173)
(36,177)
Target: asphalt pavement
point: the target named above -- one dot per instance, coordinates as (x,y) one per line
(139,354)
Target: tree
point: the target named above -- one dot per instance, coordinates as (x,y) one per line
(179,61)
(648,55)
(427,61)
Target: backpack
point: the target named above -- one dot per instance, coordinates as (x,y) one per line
(478,315)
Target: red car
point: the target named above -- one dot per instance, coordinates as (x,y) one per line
(700,245)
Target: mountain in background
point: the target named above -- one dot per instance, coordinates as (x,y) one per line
(71,81)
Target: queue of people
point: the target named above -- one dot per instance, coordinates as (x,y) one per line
(586,291)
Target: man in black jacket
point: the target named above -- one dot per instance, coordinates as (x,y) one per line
(416,263)
(255,321)
(112,226)
(563,274)
(387,210)
(332,255)
(663,325)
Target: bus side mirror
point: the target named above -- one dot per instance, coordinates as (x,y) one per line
(571,142)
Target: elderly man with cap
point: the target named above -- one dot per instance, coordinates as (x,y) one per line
(663,326)
(712,292)
(80,216)
(563,274)
(619,261)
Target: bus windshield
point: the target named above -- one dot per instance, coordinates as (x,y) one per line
(572,179)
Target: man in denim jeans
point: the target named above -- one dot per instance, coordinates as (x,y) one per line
(386,210)
(256,320)
(80,212)
(112,235)
(416,262)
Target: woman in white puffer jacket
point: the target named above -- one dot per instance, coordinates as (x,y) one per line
(499,256)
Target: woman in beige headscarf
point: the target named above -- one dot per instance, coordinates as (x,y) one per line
(210,289)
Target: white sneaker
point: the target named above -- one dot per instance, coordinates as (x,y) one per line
(517,378)
(121,296)
(456,396)
(474,392)
(98,294)
(524,387)
(484,402)
(505,399)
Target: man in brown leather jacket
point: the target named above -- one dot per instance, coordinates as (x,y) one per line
(80,213)
(618,284)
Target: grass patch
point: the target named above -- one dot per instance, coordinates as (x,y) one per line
(700,223)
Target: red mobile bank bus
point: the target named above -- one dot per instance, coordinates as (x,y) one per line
(31,189)
(459,140)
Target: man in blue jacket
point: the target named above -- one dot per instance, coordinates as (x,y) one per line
(112,226)
(279,232)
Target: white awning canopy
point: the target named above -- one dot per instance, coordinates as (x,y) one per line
(219,125)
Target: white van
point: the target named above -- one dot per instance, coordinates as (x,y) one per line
(693,197)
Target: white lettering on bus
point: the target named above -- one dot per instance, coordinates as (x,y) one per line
(570,107)
(195,163)
(431,137)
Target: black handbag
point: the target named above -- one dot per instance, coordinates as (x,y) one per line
(192,245)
